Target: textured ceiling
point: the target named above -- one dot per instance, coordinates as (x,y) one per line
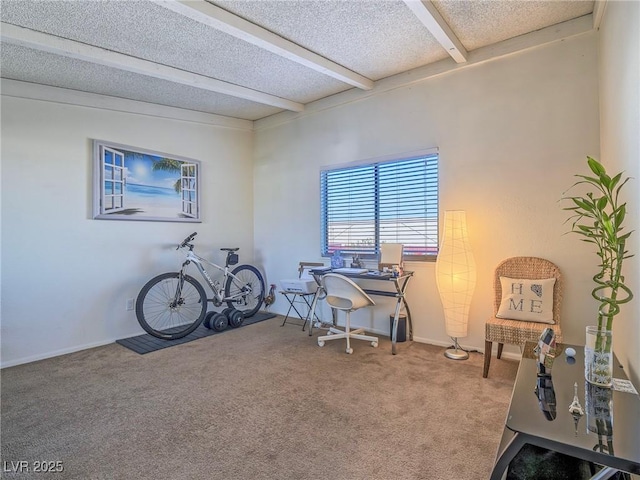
(484,22)
(356,34)
(177,54)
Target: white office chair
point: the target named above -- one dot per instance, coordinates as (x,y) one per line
(343,294)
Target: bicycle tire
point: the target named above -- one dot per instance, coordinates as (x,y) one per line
(155,313)
(247,276)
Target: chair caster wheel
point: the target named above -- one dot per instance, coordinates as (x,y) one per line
(320,343)
(349,351)
(374,344)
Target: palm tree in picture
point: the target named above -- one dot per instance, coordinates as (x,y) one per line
(169,165)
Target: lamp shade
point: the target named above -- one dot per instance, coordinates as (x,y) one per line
(455,273)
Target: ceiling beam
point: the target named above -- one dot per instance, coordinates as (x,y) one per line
(100,56)
(66,96)
(598,12)
(522,43)
(218,18)
(428,14)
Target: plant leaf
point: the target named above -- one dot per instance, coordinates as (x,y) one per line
(595,166)
(620,214)
(583,204)
(615,180)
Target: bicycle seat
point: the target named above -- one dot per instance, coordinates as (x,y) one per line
(230,249)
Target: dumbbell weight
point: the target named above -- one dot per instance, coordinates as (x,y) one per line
(219,322)
(207,320)
(236,317)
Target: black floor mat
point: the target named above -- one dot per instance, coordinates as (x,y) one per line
(147,343)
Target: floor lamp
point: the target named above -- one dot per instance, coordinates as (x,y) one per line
(456,278)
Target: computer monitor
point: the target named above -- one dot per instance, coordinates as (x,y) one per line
(390,255)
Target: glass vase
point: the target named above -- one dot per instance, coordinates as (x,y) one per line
(599,407)
(598,357)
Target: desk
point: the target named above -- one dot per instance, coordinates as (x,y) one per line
(527,424)
(400,286)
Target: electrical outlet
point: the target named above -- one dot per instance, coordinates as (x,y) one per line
(129,303)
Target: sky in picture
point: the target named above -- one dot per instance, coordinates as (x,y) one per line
(139,171)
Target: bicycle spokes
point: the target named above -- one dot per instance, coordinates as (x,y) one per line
(245,290)
(171,305)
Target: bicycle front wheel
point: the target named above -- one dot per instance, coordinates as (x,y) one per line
(244,290)
(169,308)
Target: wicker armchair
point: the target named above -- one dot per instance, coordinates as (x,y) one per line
(517,332)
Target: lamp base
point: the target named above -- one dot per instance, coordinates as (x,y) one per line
(456,354)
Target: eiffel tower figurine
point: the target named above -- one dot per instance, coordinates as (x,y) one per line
(575,408)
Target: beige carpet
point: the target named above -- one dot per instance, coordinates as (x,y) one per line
(261,402)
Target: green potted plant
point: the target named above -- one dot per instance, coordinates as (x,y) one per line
(598,217)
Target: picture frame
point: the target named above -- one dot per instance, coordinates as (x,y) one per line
(131,183)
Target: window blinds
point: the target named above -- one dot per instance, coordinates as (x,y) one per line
(390,202)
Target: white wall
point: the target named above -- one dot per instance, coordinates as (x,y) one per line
(619,67)
(511,133)
(66,277)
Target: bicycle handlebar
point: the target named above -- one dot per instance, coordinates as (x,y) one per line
(187,240)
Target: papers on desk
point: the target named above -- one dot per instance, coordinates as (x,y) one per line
(350,271)
(377,273)
(623,385)
(321,270)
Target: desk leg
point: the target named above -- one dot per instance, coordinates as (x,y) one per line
(508,454)
(409,323)
(292,300)
(394,330)
(308,318)
(286,317)
(312,312)
(400,289)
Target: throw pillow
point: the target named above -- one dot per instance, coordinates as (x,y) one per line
(529,300)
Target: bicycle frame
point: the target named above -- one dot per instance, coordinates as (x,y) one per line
(216,287)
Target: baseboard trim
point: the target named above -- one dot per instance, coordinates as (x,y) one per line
(439,343)
(56,353)
(77,348)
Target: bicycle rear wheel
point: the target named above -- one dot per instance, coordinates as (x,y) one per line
(246,290)
(168,310)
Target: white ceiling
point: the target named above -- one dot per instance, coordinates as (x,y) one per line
(251,59)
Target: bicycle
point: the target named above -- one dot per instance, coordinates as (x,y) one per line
(174,304)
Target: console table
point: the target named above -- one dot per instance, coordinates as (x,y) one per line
(399,283)
(527,421)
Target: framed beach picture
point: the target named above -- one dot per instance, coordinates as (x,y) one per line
(135,184)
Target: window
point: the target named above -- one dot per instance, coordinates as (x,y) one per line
(386,202)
